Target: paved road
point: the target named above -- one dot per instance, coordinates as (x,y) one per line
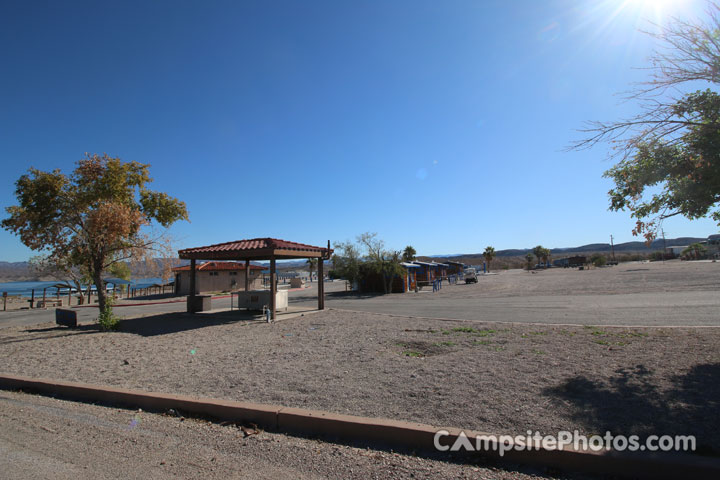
(666,308)
(650,309)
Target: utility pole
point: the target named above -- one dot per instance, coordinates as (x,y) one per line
(664,245)
(612,248)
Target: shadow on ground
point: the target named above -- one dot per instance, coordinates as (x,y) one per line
(167,323)
(632,403)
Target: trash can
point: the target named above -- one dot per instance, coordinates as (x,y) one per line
(199,303)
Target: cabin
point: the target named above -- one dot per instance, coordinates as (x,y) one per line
(456,268)
(217,277)
(409,280)
(430,271)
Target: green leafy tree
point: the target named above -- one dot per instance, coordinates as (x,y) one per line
(354,261)
(101,214)
(409,254)
(598,259)
(120,270)
(57,268)
(489,255)
(379,260)
(346,261)
(670,152)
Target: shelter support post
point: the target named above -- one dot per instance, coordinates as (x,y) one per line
(192,277)
(273,288)
(321,285)
(247,275)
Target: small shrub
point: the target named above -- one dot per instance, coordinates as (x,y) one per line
(464,330)
(598,260)
(107,319)
(412,353)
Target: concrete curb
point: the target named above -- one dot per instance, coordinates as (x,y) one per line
(387,432)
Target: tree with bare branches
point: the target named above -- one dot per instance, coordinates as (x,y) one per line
(669,154)
(102,214)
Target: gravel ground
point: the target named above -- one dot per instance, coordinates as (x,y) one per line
(48,438)
(632,277)
(637,294)
(493,377)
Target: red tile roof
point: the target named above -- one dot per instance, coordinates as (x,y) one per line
(254,244)
(218,266)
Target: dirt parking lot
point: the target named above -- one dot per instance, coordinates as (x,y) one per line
(499,377)
(673,293)
(493,377)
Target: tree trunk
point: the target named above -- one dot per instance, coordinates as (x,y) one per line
(102,296)
(81,297)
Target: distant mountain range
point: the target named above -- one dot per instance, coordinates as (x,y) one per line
(627,247)
(20,271)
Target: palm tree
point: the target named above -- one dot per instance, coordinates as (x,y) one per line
(540,252)
(695,251)
(529,259)
(489,254)
(311,263)
(408,254)
(546,256)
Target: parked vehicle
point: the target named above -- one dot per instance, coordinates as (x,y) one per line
(470,275)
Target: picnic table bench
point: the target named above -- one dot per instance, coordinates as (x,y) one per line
(45,303)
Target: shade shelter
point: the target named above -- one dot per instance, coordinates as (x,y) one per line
(256,249)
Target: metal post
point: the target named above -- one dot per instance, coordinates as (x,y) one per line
(273,288)
(32,299)
(192,277)
(247,275)
(321,285)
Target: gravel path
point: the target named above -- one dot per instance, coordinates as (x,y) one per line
(493,377)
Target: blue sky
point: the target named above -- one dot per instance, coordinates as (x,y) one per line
(439,124)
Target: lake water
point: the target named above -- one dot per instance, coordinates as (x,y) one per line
(25,288)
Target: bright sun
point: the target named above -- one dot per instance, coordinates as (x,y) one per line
(659,7)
